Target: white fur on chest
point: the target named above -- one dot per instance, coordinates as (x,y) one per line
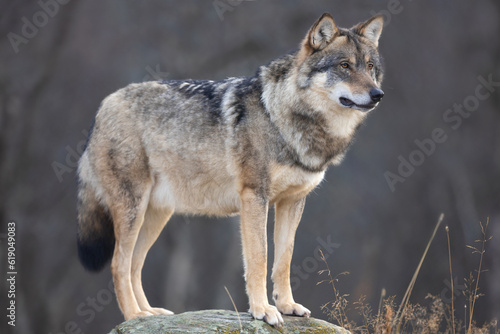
(287,181)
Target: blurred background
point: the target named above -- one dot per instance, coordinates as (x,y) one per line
(372,216)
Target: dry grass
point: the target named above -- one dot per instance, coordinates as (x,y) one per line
(451,280)
(234,305)
(337,307)
(435,316)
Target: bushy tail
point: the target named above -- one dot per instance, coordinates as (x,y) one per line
(96,239)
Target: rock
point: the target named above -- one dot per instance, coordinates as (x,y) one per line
(221,321)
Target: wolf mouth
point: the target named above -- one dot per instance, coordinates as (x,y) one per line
(351,104)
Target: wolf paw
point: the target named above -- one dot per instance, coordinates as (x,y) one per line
(268,313)
(292,308)
(139,315)
(158,310)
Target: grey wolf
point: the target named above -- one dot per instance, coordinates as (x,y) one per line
(236,146)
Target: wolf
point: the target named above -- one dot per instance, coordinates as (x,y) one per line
(235,146)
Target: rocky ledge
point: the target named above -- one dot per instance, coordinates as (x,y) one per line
(221,321)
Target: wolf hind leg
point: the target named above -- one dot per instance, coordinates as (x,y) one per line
(154,221)
(288,213)
(128,215)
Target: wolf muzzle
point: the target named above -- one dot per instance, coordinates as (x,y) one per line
(376,94)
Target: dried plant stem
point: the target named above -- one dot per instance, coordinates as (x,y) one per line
(336,293)
(475,296)
(451,280)
(382,296)
(234,305)
(406,297)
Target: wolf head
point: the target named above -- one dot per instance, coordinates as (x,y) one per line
(342,67)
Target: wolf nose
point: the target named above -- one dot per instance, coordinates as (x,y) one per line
(376,94)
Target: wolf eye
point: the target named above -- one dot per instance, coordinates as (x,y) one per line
(344,64)
(370,66)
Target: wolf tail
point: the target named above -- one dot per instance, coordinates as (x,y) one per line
(96,239)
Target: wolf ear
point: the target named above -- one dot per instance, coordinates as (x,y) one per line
(322,32)
(371,29)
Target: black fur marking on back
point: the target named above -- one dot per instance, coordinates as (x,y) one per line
(207,91)
(205,88)
(240,111)
(242,92)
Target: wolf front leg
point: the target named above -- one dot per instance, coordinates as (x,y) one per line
(254,238)
(288,213)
